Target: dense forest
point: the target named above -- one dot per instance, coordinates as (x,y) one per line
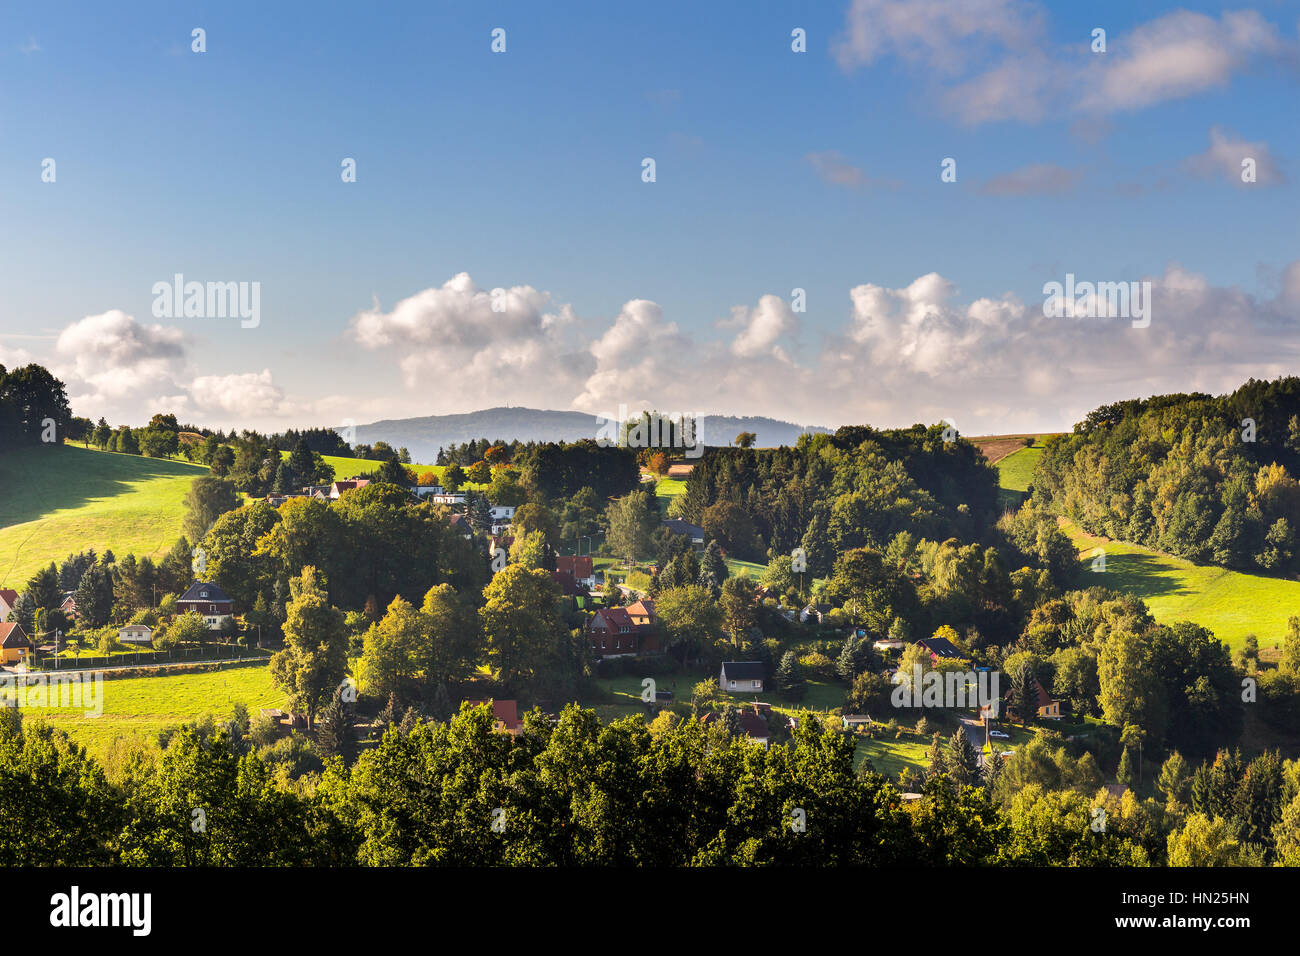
(1205,478)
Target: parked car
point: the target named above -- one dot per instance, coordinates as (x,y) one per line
(1000,734)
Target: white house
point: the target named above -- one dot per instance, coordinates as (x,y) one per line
(741,676)
(452,499)
(502,515)
(135,634)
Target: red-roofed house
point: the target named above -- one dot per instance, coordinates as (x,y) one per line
(339,487)
(7,599)
(505,714)
(613,634)
(14,643)
(580,568)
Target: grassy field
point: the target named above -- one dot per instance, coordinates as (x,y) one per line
(1229,603)
(1016,472)
(666,489)
(142,706)
(890,757)
(59,499)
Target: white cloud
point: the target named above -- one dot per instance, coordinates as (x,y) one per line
(991,60)
(114,356)
(762,328)
(451,332)
(1226,154)
(241,396)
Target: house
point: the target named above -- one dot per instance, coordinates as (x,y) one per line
(569,587)
(941,649)
(135,634)
(741,676)
(692,531)
(1047,708)
(883,646)
(752,719)
(452,499)
(502,517)
(642,613)
(351,484)
(853,721)
(643,618)
(14,643)
(8,598)
(580,568)
(461,523)
(505,715)
(69,605)
(613,634)
(209,602)
(814,612)
(313,491)
(421,491)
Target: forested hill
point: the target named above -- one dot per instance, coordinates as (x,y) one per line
(424,436)
(833,493)
(1202,477)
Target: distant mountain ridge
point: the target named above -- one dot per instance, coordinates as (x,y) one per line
(424,436)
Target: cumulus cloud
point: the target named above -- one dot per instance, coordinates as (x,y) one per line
(1226,154)
(241,396)
(115,356)
(762,328)
(507,342)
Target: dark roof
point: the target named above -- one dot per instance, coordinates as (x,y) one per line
(678,526)
(940,647)
(200,591)
(579,567)
(743,670)
(12,635)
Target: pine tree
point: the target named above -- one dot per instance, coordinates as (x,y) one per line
(334,737)
(961,761)
(1125,774)
(442,707)
(789,677)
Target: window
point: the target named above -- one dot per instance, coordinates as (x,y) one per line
(755,685)
(733,683)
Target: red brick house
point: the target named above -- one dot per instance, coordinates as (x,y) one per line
(209,602)
(578,568)
(613,633)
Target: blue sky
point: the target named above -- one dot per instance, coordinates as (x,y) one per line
(775,170)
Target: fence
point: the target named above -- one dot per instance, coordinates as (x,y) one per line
(177,655)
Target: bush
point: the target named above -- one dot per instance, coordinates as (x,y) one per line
(818,665)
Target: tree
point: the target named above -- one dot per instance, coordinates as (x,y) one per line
(334,735)
(1024,692)
(1175,781)
(529,647)
(315,657)
(713,568)
(689,620)
(631,519)
(961,762)
(739,616)
(187,628)
(207,500)
(789,679)
(746,440)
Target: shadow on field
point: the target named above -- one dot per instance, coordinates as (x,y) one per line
(1143,575)
(48,478)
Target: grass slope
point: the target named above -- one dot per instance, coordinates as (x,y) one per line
(1016,472)
(1229,603)
(59,499)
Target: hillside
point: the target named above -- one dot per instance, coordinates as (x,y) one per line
(60,499)
(1229,603)
(424,436)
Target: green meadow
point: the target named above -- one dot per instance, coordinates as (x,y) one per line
(1016,472)
(1229,603)
(140,707)
(60,499)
